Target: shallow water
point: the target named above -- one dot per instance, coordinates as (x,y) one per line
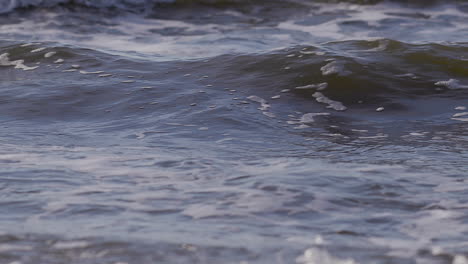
(214,132)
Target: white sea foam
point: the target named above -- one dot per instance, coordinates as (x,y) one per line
(338,106)
(360,130)
(460,114)
(317,240)
(263,103)
(12,247)
(37,50)
(95,72)
(70,244)
(318,86)
(452,84)
(320,256)
(461,119)
(49,54)
(19,64)
(309,117)
(459,259)
(375,137)
(269,114)
(334,67)
(105,75)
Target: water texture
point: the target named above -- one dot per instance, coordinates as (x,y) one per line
(233,132)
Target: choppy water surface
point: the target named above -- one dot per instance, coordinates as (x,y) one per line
(241,132)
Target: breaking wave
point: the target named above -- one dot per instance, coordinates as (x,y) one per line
(9,5)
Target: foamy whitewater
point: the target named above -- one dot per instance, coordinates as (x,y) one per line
(309,132)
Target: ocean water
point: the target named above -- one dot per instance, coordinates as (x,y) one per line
(292,131)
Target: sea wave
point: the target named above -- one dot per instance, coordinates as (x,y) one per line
(10,5)
(340,82)
(260,131)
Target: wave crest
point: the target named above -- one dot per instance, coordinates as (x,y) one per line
(9,5)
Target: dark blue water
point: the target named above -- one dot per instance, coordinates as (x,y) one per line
(233,132)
